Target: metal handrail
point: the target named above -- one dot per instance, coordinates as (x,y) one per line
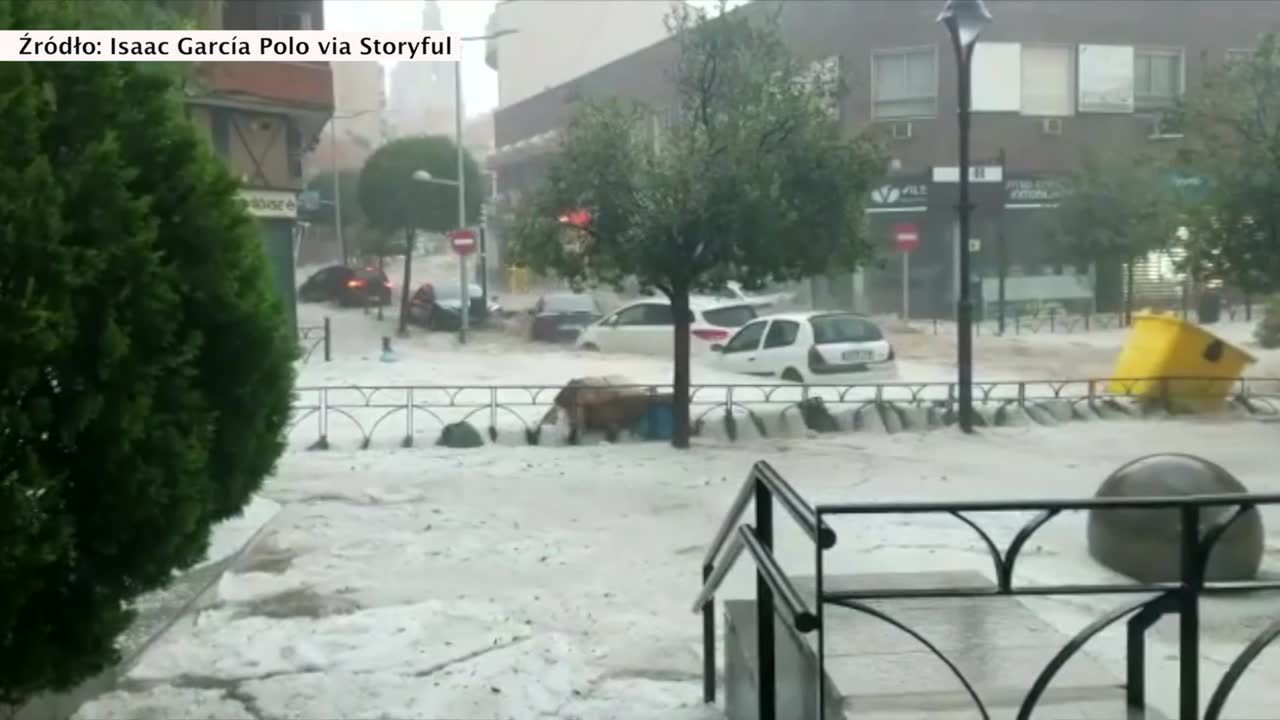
(716,576)
(1181,501)
(797,612)
(762,486)
(796,507)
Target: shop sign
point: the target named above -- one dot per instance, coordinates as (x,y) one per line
(270,203)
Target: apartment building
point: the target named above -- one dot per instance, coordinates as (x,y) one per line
(550,42)
(262,117)
(1051,81)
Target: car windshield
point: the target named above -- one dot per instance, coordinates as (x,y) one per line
(569,304)
(730,317)
(830,329)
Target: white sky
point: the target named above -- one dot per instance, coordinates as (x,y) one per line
(466,17)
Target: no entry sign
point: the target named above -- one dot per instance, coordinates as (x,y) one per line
(906,237)
(463,241)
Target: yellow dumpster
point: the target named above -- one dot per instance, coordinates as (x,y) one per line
(519,279)
(1170,359)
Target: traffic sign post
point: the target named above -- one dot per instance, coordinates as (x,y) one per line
(463,242)
(906,238)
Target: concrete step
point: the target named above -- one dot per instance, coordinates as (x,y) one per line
(875,671)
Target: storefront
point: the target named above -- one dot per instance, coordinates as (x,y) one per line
(1014,231)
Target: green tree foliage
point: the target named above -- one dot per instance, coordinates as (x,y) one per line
(1268,331)
(1232,127)
(145,364)
(393,200)
(1116,211)
(753,159)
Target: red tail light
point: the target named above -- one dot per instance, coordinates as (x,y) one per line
(355,283)
(711,335)
(386,284)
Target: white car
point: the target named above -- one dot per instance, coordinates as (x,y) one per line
(733,292)
(646,327)
(816,348)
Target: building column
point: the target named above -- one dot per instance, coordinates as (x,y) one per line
(277,242)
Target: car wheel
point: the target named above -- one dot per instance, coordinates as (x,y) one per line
(590,347)
(792,375)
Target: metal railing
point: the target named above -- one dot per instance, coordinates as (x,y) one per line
(774,592)
(1054,321)
(315,337)
(368,409)
(1181,598)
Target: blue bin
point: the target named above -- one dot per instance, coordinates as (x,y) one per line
(660,421)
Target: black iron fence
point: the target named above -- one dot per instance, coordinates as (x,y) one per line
(775,594)
(362,412)
(315,337)
(1054,320)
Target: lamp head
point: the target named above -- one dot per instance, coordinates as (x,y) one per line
(965,20)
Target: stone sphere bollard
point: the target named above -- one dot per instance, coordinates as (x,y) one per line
(1145,544)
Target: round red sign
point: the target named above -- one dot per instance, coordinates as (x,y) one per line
(463,241)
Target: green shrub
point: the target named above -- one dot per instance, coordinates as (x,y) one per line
(145,364)
(1267,333)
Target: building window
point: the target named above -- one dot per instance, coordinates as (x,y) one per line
(1104,80)
(1048,81)
(1157,78)
(905,83)
(997,77)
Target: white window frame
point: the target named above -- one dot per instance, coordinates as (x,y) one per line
(1178,52)
(1073,70)
(907,50)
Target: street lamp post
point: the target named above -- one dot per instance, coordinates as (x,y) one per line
(463,285)
(964,20)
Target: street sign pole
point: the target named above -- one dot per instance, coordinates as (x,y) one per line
(906,238)
(465,288)
(906,286)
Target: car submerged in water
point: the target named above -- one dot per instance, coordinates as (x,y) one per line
(561,317)
(439,307)
(348,286)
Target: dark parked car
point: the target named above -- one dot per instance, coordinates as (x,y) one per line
(439,307)
(325,284)
(368,286)
(562,316)
(348,286)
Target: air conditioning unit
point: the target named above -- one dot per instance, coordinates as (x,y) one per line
(900,131)
(1051,126)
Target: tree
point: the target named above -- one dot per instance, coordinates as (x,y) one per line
(393,201)
(1115,212)
(752,181)
(326,212)
(146,366)
(1232,129)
